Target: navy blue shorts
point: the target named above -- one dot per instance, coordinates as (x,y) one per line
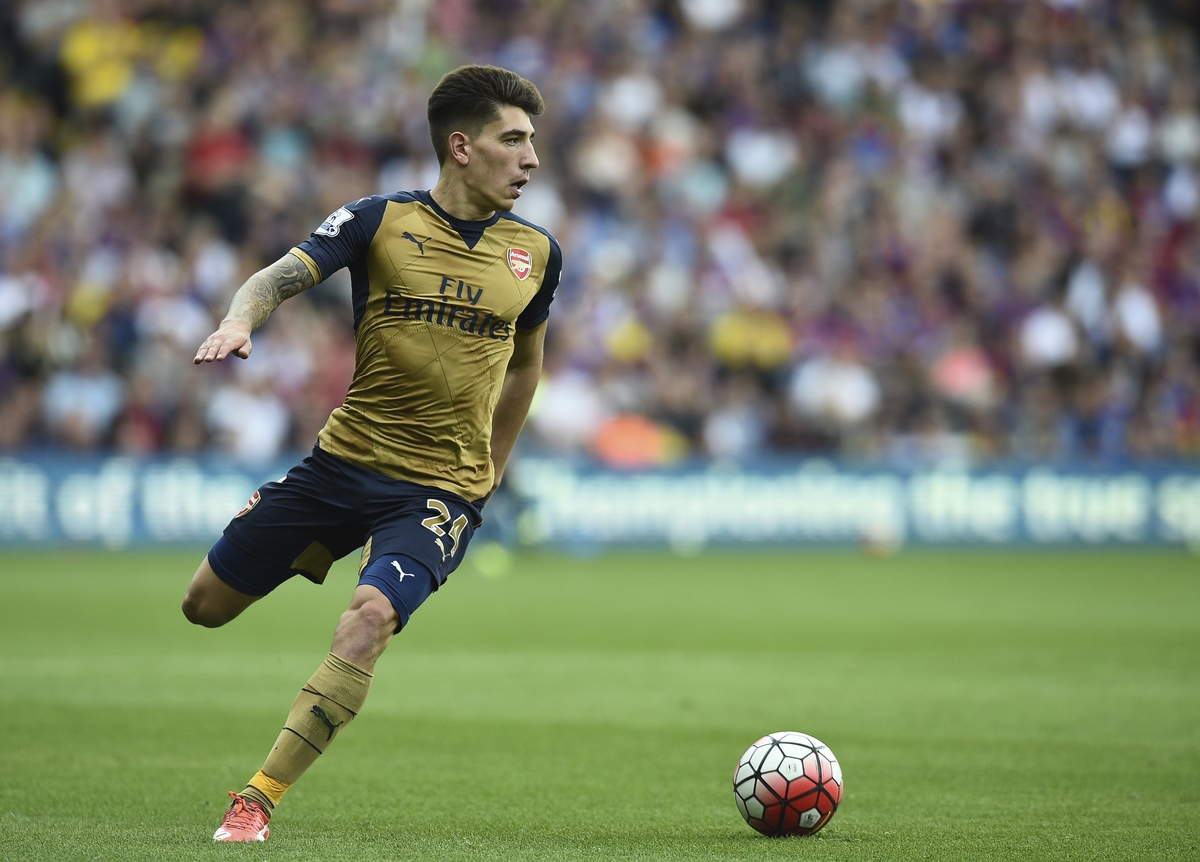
(412,536)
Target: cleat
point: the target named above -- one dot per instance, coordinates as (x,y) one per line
(245,820)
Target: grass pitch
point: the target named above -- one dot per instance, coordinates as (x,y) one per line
(1019,706)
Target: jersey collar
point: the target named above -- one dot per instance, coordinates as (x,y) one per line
(470,231)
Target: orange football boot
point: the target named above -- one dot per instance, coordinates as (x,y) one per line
(245,820)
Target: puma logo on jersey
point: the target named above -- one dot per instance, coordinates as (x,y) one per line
(324,718)
(403,574)
(419,243)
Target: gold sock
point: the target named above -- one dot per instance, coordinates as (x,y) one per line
(267,798)
(332,697)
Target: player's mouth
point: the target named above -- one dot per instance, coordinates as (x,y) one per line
(515,187)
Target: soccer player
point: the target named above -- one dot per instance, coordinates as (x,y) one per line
(451,293)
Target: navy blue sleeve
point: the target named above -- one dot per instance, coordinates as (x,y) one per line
(539,307)
(345,236)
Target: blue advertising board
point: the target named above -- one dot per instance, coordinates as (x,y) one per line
(121,501)
(117,502)
(822,502)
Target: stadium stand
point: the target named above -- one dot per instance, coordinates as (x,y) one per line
(904,231)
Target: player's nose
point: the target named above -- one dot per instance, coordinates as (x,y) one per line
(529,160)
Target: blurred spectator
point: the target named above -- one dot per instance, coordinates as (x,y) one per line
(903,230)
(1048,338)
(737,426)
(568,410)
(835,389)
(28,178)
(81,402)
(248,420)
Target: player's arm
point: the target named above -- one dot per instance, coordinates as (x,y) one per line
(252,305)
(520,382)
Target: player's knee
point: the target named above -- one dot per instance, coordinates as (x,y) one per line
(200,612)
(194,611)
(364,631)
(374,615)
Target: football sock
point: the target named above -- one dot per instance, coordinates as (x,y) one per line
(332,697)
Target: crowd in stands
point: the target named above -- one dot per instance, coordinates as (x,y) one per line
(906,230)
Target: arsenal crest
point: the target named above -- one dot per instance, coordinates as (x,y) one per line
(521,262)
(250,504)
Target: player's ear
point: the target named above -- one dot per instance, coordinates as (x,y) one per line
(460,148)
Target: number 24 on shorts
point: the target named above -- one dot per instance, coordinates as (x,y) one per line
(436,522)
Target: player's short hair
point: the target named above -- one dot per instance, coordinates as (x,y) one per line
(470,97)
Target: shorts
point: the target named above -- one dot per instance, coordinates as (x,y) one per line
(412,536)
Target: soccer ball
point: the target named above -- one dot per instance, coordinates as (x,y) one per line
(787,784)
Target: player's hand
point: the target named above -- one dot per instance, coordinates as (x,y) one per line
(233,337)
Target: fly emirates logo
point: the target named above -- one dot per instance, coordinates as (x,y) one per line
(454,307)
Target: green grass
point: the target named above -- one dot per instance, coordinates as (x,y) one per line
(1019,706)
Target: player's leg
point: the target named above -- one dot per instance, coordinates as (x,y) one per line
(298,525)
(404,561)
(287,528)
(407,556)
(210,602)
(366,628)
(331,698)
(326,704)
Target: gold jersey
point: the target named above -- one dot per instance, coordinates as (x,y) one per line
(436,302)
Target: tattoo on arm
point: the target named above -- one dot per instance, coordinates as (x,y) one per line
(266,289)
